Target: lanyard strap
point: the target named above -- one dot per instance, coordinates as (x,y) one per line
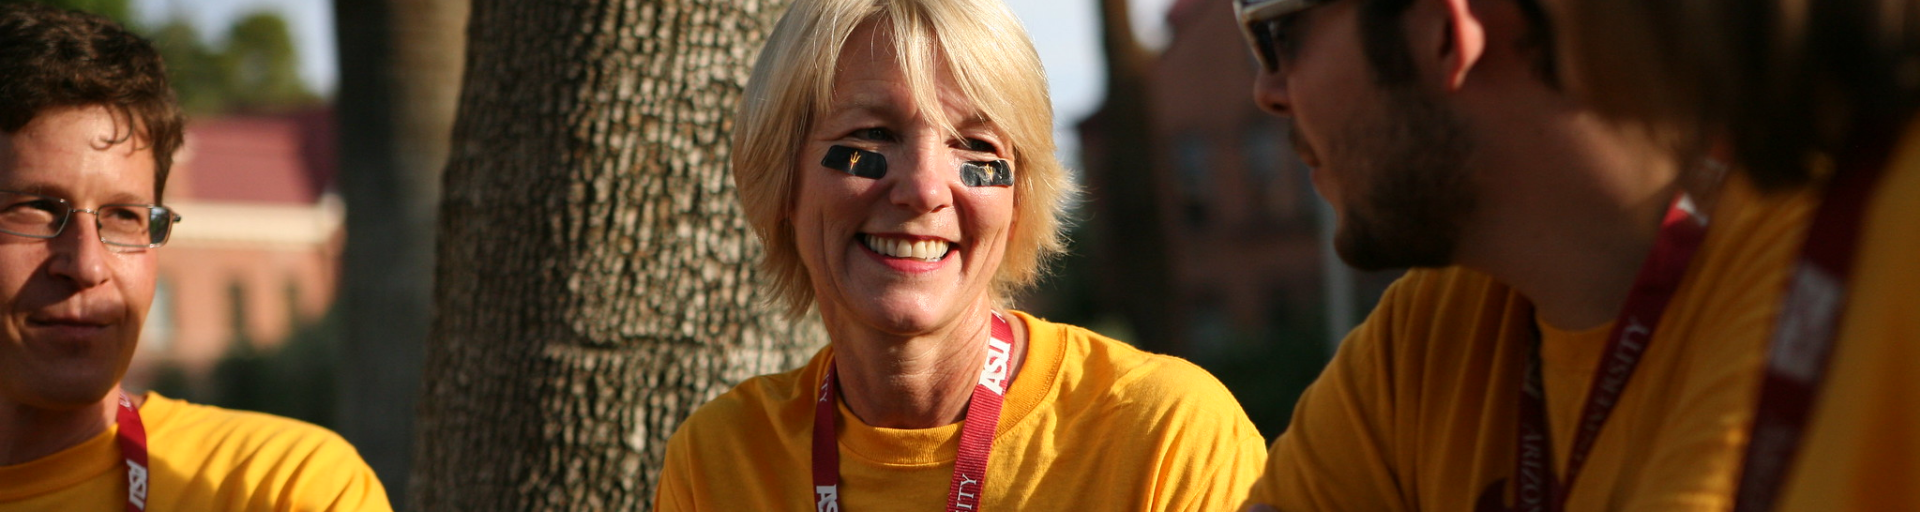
(133,446)
(1681,233)
(1804,335)
(976,433)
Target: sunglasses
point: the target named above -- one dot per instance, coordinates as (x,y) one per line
(1268,28)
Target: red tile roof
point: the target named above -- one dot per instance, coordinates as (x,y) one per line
(287,159)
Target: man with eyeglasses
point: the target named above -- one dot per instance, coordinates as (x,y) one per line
(88,128)
(1572,336)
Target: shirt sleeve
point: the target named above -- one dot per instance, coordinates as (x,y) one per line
(673,492)
(1213,451)
(332,478)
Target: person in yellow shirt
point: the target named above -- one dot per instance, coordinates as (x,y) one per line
(897,159)
(202,458)
(88,128)
(1586,302)
(1813,98)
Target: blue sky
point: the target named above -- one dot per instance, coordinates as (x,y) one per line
(1064,31)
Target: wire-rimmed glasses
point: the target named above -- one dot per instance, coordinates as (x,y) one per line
(130,226)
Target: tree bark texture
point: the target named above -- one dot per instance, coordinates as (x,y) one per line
(596,279)
(400,66)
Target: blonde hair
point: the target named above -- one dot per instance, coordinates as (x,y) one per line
(990,58)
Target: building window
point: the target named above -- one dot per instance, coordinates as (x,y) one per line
(157,334)
(1278,181)
(1193,163)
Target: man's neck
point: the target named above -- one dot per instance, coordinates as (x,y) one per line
(916,382)
(1574,229)
(28,433)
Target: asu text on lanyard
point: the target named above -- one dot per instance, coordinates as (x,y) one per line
(1535,489)
(976,433)
(133,447)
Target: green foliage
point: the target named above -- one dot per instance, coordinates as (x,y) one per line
(1268,370)
(199,75)
(255,68)
(261,66)
(117,10)
(295,380)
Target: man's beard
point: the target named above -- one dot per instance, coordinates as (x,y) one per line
(1414,190)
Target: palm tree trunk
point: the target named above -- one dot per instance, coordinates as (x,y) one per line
(400,63)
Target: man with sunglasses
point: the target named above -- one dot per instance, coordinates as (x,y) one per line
(1572,336)
(88,128)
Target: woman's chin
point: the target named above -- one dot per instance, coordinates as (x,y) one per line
(903,319)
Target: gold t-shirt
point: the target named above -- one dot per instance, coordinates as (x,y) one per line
(1862,447)
(1089,423)
(1417,410)
(202,458)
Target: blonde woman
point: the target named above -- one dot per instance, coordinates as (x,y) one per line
(896,157)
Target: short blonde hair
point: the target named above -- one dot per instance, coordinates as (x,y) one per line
(990,58)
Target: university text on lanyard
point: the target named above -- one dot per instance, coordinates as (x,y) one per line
(1803,336)
(1535,489)
(133,447)
(976,432)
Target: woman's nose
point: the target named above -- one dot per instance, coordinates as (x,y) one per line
(924,178)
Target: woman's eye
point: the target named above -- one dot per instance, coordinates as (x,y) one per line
(981,146)
(874,134)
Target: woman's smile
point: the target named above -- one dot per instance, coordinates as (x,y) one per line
(908,253)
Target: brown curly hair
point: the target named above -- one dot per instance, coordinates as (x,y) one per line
(52,58)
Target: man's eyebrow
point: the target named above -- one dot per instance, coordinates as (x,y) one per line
(30,188)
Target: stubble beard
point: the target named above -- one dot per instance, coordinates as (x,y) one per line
(1414,190)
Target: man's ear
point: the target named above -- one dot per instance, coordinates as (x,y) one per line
(1462,44)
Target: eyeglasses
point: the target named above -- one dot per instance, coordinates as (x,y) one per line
(120,225)
(1268,27)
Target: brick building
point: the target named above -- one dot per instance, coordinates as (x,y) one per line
(257,254)
(1242,225)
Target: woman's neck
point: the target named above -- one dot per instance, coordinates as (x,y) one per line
(921,381)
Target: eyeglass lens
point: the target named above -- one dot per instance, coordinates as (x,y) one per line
(39,216)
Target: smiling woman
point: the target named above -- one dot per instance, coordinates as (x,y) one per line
(896,156)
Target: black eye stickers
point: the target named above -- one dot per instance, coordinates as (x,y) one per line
(871,165)
(858,162)
(993,173)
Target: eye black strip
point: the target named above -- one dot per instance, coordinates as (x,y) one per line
(858,162)
(992,173)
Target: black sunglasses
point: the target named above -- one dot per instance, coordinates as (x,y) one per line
(1265,25)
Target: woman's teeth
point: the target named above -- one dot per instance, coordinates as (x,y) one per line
(923,250)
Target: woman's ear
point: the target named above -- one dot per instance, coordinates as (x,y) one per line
(1463,41)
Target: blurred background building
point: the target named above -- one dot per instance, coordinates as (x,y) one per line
(1227,219)
(256,258)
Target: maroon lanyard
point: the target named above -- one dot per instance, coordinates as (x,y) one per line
(1803,336)
(133,446)
(976,433)
(1535,490)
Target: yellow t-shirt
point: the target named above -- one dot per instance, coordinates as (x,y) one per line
(202,458)
(1089,424)
(1862,447)
(1417,411)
